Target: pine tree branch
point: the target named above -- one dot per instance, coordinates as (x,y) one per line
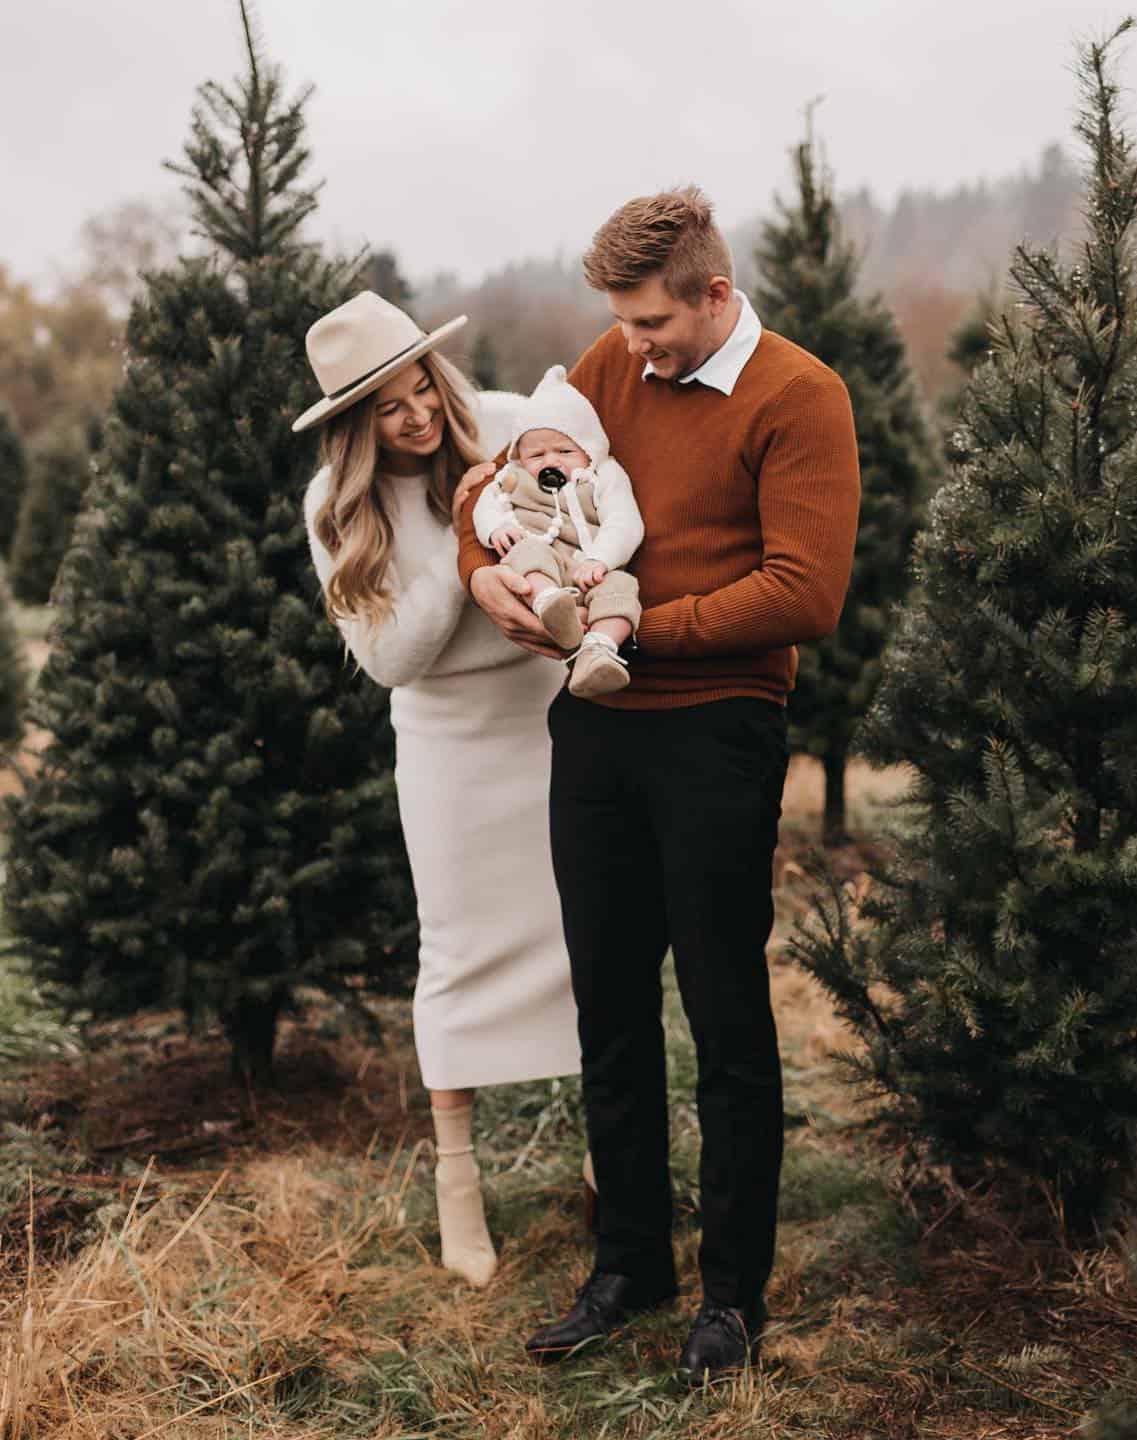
(251,41)
(1108,149)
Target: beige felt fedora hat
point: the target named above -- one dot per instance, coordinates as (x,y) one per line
(359,345)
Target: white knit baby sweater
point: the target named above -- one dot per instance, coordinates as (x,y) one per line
(432,629)
(614,541)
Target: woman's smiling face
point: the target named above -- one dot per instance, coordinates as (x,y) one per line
(408,414)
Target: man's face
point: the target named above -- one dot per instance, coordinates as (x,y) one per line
(675,336)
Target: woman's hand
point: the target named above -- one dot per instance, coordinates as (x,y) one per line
(472,478)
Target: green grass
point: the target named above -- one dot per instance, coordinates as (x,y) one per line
(818,1183)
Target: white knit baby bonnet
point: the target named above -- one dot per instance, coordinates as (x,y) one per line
(557,405)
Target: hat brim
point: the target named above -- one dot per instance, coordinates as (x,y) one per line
(334,405)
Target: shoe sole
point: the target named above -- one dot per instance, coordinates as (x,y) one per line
(599,680)
(561,620)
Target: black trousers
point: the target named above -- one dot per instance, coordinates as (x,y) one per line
(664,824)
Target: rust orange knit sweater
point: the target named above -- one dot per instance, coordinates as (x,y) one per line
(749,504)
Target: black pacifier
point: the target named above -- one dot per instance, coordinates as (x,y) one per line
(550,479)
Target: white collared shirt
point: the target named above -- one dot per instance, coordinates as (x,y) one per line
(722,369)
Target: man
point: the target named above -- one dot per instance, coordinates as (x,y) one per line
(666,796)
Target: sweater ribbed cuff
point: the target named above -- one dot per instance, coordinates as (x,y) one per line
(471,561)
(653,636)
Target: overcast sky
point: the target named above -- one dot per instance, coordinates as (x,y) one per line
(465,133)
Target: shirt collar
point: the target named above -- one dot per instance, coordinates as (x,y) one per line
(721,370)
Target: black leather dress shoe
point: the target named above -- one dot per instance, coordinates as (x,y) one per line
(602,1305)
(722,1339)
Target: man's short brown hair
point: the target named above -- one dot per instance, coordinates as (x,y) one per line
(672,234)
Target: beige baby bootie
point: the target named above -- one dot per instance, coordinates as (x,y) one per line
(556,610)
(466,1245)
(597,668)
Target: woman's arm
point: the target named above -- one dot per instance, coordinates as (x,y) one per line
(423,615)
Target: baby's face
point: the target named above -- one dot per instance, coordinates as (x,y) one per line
(538,448)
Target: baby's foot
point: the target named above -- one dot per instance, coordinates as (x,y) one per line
(556,610)
(597,669)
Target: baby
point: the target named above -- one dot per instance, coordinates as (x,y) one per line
(561,512)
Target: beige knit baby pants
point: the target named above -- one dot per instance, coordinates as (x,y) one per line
(617,595)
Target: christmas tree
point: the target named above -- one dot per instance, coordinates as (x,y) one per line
(383,275)
(13,479)
(808,293)
(970,343)
(995,982)
(968,347)
(13,675)
(215,823)
(59,468)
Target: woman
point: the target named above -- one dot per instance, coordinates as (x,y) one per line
(493,1000)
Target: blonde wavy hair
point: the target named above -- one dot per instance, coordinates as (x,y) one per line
(352,523)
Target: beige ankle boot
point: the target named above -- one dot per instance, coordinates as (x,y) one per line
(466,1245)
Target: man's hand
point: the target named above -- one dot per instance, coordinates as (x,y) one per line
(506,537)
(473,476)
(588,574)
(504,596)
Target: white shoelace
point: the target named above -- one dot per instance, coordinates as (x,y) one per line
(596,639)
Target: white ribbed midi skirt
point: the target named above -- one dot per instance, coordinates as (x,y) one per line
(493,1002)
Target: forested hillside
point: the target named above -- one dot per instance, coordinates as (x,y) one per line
(930,253)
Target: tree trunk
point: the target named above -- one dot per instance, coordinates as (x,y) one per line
(1084,1205)
(251,1028)
(1087,827)
(833,831)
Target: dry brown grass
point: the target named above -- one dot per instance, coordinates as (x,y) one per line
(273,1285)
(210,1314)
(217,1300)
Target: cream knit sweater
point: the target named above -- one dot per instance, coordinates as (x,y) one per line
(433,628)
